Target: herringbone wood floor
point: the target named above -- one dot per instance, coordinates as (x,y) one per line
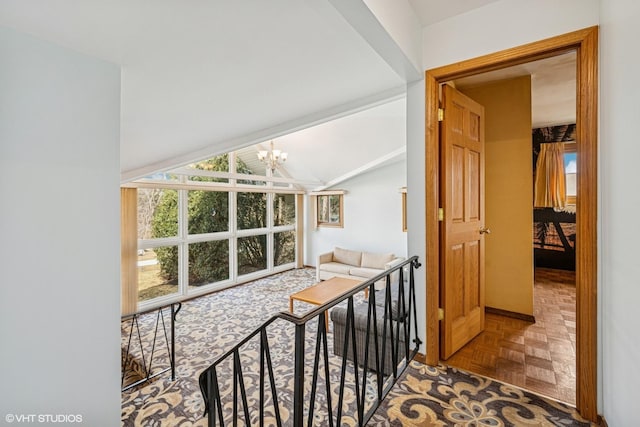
(538,356)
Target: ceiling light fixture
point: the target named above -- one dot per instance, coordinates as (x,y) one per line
(272,158)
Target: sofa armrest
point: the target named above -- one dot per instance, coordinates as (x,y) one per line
(322,259)
(393,263)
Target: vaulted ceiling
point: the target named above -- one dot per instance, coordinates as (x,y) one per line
(203,77)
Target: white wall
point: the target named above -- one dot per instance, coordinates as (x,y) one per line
(59,180)
(619,293)
(620,200)
(416,196)
(399,20)
(372,216)
(501,25)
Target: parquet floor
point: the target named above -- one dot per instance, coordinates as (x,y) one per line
(539,356)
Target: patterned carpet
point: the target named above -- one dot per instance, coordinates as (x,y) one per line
(208,326)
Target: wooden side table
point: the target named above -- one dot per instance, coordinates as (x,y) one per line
(324,292)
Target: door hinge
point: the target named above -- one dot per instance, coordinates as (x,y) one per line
(440,114)
(440,214)
(440,313)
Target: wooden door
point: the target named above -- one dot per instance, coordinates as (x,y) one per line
(462,229)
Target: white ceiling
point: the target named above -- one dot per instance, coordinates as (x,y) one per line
(204,77)
(431,11)
(212,75)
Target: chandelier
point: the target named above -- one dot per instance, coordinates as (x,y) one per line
(272,158)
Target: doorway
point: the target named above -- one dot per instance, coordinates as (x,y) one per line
(584,42)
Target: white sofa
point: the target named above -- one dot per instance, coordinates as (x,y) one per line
(355,265)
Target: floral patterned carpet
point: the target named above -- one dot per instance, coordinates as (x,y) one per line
(209,326)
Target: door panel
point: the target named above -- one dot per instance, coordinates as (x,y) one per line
(462,244)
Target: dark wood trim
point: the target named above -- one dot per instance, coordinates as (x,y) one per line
(511,314)
(602,422)
(585,43)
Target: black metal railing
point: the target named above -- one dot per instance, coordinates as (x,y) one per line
(371,348)
(135,363)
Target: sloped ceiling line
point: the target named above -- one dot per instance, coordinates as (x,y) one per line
(396,154)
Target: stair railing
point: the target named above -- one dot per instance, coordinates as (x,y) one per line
(294,398)
(162,331)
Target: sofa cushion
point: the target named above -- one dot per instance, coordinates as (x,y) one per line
(335,267)
(371,260)
(364,272)
(346,256)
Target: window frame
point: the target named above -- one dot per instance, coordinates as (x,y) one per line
(570,147)
(317,196)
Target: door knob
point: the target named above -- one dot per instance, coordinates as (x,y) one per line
(485,230)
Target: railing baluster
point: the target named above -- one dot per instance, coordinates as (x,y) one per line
(272,381)
(174,313)
(263,338)
(327,375)
(316,362)
(390,337)
(354,344)
(379,363)
(298,381)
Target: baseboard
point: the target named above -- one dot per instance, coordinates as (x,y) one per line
(512,314)
(602,422)
(422,358)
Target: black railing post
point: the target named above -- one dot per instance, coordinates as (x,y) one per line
(298,381)
(174,313)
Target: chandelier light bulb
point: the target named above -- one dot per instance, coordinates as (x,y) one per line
(272,158)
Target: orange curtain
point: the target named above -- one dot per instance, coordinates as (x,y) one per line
(129,251)
(550,186)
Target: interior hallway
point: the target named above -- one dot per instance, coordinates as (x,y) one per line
(539,356)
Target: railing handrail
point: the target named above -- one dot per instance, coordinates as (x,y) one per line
(405,310)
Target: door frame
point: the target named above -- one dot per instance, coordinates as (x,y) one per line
(585,43)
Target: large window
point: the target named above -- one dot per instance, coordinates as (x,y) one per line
(210,230)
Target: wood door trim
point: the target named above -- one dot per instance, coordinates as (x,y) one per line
(585,42)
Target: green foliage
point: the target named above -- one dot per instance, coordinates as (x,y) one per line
(284,247)
(208,262)
(165,224)
(208,212)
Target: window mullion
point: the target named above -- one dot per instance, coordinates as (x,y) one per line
(183,247)
(233,223)
(270,236)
